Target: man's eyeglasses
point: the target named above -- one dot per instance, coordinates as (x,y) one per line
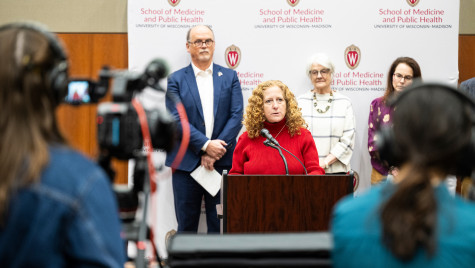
(399,77)
(199,43)
(323,72)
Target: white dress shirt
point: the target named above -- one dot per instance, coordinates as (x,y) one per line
(204,80)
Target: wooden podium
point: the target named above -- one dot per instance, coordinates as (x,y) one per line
(280,203)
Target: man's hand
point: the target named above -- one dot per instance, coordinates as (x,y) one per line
(216,149)
(207,161)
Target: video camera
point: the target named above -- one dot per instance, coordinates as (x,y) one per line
(119,132)
(118,127)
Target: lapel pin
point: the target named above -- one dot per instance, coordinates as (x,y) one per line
(220,73)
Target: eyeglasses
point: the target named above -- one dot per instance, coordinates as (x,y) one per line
(399,77)
(323,72)
(199,43)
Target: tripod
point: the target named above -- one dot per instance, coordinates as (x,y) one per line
(135,230)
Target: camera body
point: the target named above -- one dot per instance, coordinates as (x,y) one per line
(119,131)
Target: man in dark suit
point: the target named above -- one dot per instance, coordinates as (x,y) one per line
(212,97)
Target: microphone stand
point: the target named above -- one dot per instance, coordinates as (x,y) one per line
(295,158)
(267,142)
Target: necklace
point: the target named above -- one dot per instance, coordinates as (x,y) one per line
(280,131)
(328,104)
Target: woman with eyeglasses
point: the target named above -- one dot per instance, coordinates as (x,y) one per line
(401,75)
(329,115)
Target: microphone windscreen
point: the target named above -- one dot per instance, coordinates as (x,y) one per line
(265,133)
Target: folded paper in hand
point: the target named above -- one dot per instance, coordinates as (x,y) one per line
(209,179)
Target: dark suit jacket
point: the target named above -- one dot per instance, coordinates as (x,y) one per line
(228,111)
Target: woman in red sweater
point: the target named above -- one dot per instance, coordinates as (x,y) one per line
(273,106)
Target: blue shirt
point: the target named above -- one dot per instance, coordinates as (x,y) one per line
(69,218)
(357,234)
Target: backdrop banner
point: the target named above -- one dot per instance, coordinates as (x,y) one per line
(272,39)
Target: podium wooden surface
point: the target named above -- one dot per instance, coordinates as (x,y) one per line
(281,203)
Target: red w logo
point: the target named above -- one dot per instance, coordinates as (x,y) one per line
(233,57)
(352,57)
(173,3)
(292,1)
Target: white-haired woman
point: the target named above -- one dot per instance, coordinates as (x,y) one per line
(330,117)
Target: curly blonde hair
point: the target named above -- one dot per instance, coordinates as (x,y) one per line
(254,117)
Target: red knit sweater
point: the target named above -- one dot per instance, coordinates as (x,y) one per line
(252,157)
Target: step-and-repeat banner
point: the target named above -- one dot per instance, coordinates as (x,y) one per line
(272,39)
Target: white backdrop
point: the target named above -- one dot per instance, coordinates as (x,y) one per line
(274,38)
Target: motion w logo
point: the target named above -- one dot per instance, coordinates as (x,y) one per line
(293,2)
(232,56)
(174,2)
(352,56)
(413,3)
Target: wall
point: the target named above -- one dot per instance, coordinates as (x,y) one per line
(466,57)
(467,40)
(467,18)
(76,16)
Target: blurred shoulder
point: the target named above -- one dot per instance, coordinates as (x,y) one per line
(356,205)
(466,209)
(70,171)
(61,154)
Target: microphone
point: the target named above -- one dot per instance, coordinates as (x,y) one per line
(270,144)
(265,133)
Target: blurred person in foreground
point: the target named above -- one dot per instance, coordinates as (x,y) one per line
(415,221)
(273,106)
(468,87)
(401,75)
(57,208)
(330,117)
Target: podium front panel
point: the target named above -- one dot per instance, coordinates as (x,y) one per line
(281,203)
